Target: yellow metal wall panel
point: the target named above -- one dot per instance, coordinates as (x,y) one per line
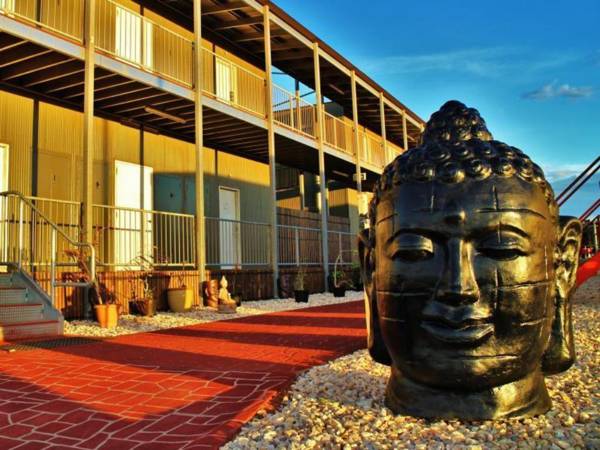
(16,123)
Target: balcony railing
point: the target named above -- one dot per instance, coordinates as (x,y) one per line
(233,84)
(299,245)
(338,134)
(291,111)
(236,243)
(127,35)
(66,20)
(127,238)
(133,239)
(371,148)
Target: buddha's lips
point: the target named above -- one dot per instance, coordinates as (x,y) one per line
(467,333)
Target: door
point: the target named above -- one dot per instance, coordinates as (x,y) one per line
(132,229)
(229,228)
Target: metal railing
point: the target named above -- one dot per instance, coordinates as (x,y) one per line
(66,20)
(393,151)
(299,246)
(371,148)
(338,134)
(31,241)
(293,112)
(342,244)
(236,243)
(125,34)
(233,84)
(125,236)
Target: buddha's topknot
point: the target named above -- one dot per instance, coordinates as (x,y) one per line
(456,145)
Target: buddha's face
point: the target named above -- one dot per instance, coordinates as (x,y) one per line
(464,279)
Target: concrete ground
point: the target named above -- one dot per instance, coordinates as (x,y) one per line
(189,387)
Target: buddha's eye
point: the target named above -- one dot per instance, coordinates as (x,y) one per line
(503,247)
(410,247)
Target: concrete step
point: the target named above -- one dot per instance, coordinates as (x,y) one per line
(13,295)
(29,330)
(21,312)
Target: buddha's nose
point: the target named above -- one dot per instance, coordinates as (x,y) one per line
(458,285)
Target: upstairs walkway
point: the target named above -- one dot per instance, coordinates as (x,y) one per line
(190,387)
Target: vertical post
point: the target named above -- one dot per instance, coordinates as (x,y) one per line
(271,144)
(88,122)
(35,148)
(404,130)
(357,154)
(20,255)
(323,197)
(386,158)
(53,267)
(143,198)
(297,245)
(199,143)
(301,191)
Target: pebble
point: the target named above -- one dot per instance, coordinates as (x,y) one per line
(129,324)
(340,405)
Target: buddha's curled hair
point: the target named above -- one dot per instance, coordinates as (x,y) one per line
(457,146)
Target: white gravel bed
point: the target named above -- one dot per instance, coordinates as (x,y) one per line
(340,405)
(129,324)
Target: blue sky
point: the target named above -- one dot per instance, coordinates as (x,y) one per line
(531,67)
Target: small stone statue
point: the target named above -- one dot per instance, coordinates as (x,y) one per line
(211,293)
(226,304)
(468,271)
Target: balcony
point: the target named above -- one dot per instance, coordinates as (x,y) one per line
(126,37)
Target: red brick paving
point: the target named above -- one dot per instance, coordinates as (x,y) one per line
(191,387)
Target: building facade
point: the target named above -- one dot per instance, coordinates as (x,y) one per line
(186,138)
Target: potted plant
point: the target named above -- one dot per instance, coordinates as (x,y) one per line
(180,298)
(145,305)
(104,302)
(340,279)
(300,291)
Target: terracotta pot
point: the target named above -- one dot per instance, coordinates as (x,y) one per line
(180,299)
(107,315)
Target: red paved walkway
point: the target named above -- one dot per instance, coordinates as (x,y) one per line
(190,387)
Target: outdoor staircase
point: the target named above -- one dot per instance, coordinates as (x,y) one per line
(26,311)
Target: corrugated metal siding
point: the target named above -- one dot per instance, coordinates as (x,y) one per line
(60,158)
(16,123)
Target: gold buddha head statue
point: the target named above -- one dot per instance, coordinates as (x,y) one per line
(468,270)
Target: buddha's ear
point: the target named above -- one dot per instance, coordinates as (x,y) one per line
(375,343)
(560,353)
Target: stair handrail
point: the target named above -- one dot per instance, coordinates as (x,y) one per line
(588,212)
(56,231)
(579,181)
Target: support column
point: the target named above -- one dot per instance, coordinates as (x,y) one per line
(404,130)
(88,123)
(301,192)
(199,142)
(271,144)
(359,194)
(35,138)
(387,158)
(323,197)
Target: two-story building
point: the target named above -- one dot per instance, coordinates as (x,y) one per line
(182,137)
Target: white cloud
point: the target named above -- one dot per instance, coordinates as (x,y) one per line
(486,62)
(557,173)
(551,90)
